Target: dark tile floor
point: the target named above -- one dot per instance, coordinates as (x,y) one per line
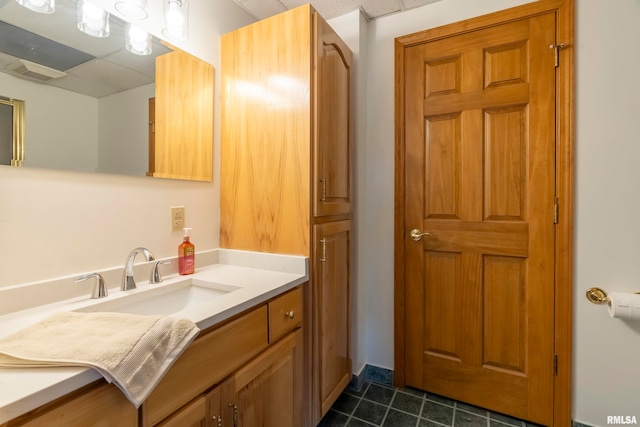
(377,405)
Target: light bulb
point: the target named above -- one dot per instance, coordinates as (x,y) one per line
(138,41)
(93,16)
(174,15)
(176,19)
(92,19)
(40,6)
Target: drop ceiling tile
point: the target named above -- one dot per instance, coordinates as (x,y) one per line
(261,9)
(377,8)
(328,8)
(411,4)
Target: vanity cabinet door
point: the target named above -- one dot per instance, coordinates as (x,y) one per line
(267,392)
(331,315)
(202,412)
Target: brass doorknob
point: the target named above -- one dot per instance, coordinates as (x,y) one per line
(289,314)
(416,234)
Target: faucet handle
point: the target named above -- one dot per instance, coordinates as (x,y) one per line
(155,276)
(99,289)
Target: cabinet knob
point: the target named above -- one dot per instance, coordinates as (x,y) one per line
(289,314)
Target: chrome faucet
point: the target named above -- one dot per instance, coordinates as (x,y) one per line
(99,289)
(127,277)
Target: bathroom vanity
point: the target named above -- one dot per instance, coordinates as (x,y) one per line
(243,369)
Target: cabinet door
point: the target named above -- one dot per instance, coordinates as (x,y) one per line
(183,117)
(332,141)
(332,310)
(205,411)
(267,392)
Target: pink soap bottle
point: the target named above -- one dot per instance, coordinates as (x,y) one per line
(186,255)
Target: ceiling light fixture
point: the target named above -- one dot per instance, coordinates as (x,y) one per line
(92,20)
(134,9)
(138,41)
(40,6)
(176,19)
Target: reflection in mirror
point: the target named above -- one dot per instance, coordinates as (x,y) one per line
(88,99)
(11,132)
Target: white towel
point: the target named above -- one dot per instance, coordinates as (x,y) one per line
(132,351)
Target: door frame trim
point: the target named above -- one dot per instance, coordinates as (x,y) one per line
(565,11)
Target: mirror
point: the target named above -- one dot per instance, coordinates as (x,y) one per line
(90,105)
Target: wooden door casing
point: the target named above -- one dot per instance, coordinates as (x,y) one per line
(494,202)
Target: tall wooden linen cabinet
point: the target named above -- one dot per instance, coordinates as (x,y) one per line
(286,180)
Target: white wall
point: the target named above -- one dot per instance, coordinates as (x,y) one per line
(123,127)
(60,223)
(607,351)
(47,137)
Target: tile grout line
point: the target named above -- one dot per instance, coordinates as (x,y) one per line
(386,414)
(424,399)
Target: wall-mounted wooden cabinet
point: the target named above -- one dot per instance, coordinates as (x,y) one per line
(181,129)
(286,176)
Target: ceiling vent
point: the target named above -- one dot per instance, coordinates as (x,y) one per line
(33,71)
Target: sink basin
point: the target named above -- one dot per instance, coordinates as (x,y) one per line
(163,299)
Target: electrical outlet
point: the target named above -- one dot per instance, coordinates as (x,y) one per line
(177,218)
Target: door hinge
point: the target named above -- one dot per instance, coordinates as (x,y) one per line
(556,210)
(555,364)
(556,53)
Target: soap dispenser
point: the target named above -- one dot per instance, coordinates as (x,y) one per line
(186,254)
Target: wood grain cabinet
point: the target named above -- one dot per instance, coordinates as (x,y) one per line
(286,175)
(233,374)
(267,391)
(236,373)
(99,404)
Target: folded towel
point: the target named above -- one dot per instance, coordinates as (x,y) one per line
(132,351)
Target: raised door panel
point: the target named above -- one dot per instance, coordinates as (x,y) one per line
(332,142)
(332,310)
(268,391)
(204,411)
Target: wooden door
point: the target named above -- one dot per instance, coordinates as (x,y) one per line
(331,313)
(480,178)
(151,132)
(332,141)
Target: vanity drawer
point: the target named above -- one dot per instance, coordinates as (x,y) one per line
(285,314)
(207,361)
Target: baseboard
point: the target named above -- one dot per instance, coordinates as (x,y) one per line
(372,374)
(577,424)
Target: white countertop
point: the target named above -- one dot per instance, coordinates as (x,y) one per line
(258,277)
